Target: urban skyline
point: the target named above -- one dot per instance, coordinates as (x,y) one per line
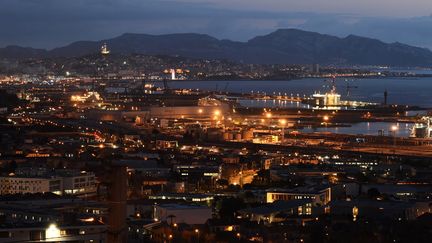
(236,121)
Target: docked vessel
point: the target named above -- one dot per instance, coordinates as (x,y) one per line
(331,100)
(422,129)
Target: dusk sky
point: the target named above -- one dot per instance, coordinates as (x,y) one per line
(52,23)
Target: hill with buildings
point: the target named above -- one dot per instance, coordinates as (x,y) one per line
(284,46)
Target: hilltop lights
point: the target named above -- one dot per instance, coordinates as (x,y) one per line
(104,49)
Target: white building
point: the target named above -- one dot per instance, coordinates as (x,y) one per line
(82,183)
(22,185)
(319,196)
(61,182)
(53,233)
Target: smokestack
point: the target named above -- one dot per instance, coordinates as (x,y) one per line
(385,97)
(117,195)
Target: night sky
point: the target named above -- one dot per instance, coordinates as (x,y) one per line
(53,23)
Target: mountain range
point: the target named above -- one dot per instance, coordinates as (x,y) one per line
(284,46)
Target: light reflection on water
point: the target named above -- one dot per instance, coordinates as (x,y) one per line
(407,91)
(366,128)
(273,103)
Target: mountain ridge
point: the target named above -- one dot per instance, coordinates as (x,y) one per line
(283,46)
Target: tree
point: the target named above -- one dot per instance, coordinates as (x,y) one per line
(227,207)
(373,193)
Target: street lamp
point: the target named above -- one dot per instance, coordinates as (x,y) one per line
(394,129)
(326,118)
(52,232)
(283,122)
(198,234)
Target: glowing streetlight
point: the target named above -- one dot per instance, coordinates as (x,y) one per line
(283,122)
(198,234)
(52,232)
(355,212)
(326,118)
(394,129)
(268,115)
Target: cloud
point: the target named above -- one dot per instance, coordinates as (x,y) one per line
(52,23)
(389,8)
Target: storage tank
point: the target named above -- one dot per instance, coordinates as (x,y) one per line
(247,134)
(420,131)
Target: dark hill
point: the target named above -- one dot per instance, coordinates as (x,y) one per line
(284,46)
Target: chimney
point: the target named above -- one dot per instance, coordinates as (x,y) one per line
(385,97)
(117,195)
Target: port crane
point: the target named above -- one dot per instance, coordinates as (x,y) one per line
(349,88)
(332,86)
(226,87)
(332,82)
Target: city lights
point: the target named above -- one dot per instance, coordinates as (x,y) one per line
(52,233)
(290,136)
